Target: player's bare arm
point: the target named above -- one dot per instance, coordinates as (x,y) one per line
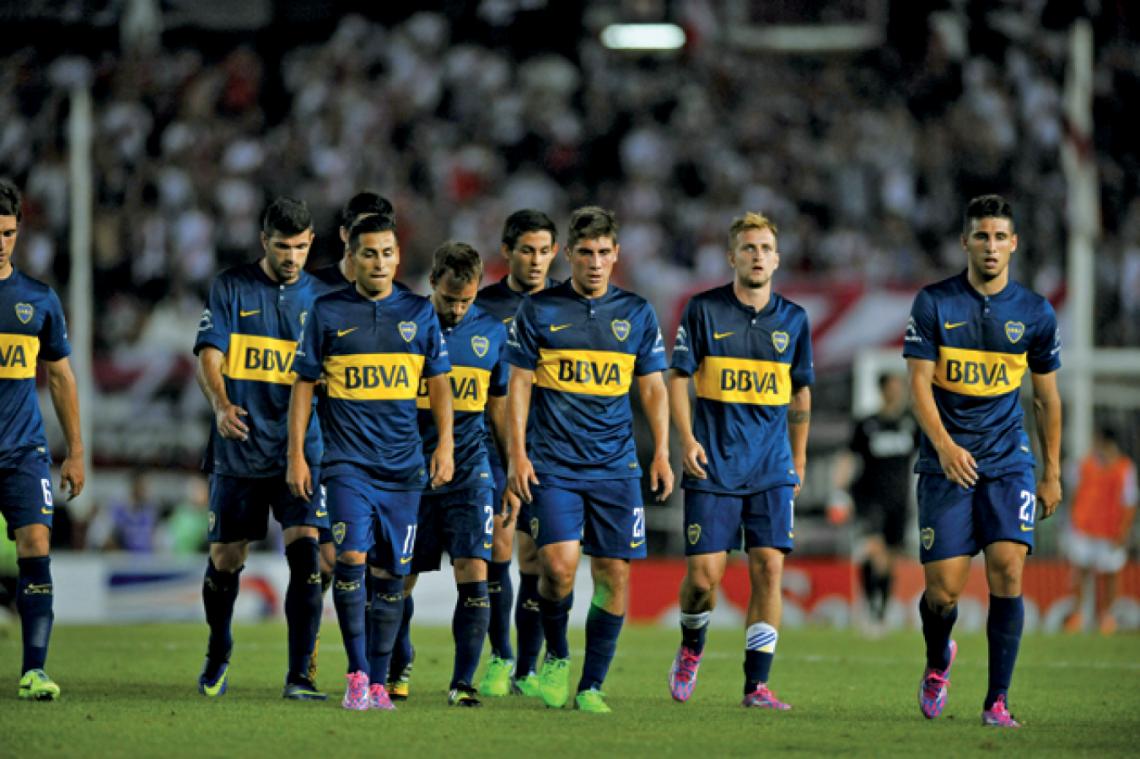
(655,403)
(693,457)
(520,472)
(298,476)
(957,463)
(497,416)
(227,415)
(799,421)
(1047,417)
(65,399)
(442,465)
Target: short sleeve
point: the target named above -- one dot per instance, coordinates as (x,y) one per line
(1045,350)
(686,357)
(522,342)
(501,372)
(54,344)
(214,326)
(307,362)
(651,348)
(921,338)
(436,360)
(803,365)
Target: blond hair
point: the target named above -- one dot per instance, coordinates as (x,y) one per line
(750,220)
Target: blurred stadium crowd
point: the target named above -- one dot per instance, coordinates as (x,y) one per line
(864,160)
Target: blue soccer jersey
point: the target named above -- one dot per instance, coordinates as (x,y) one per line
(584,353)
(255,323)
(744,364)
(475,348)
(372,355)
(31,327)
(981,346)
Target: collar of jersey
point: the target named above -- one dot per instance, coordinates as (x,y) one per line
(392,296)
(469,318)
(568,287)
(769,307)
(1005,294)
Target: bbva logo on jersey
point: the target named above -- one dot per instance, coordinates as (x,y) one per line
(480,345)
(25,312)
(780,340)
(1014,330)
(407,331)
(621,329)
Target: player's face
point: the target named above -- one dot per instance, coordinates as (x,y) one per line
(286,254)
(754,257)
(452,298)
(530,259)
(592,263)
(349,267)
(894,393)
(989,245)
(9,231)
(376,258)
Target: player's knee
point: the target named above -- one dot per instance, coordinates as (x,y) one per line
(470,570)
(767,568)
(940,598)
(351,558)
(32,543)
(503,546)
(1005,578)
(228,557)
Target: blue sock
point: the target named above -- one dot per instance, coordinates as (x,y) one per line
(302,604)
(555,623)
(694,628)
(33,601)
(369,594)
(468,628)
(759,652)
(602,630)
(384,624)
(1003,631)
(502,594)
(219,592)
(528,623)
(936,630)
(402,650)
(348,598)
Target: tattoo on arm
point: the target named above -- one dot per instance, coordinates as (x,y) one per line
(797,416)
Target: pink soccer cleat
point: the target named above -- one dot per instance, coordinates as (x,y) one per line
(762,698)
(998,715)
(932,689)
(683,674)
(356,695)
(378,698)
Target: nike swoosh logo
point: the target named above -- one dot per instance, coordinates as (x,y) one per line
(320,514)
(560,327)
(722,335)
(45,510)
(405,561)
(343,332)
(1025,529)
(638,544)
(955,325)
(487,545)
(249,313)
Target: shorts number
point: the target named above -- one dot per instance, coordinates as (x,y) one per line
(639,522)
(489,525)
(410,539)
(46,485)
(1028,507)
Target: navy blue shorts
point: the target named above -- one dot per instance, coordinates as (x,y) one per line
(715,522)
(367,517)
(460,522)
(606,516)
(957,521)
(25,492)
(522,516)
(240,507)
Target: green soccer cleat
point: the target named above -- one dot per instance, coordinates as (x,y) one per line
(463,697)
(527,686)
(554,682)
(591,701)
(400,688)
(35,685)
(216,685)
(303,690)
(497,680)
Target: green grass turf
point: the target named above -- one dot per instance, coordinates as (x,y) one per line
(130,690)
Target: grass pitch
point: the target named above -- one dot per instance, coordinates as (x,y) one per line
(132,691)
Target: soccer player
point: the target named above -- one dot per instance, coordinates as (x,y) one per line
(341,273)
(968,343)
(744,450)
(575,350)
(459,517)
(882,447)
(372,343)
(529,244)
(245,345)
(32,327)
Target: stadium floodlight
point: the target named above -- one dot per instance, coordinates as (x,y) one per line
(643,37)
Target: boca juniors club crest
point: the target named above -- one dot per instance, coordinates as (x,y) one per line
(1014,331)
(480,345)
(338,532)
(927,537)
(534,527)
(621,329)
(25,312)
(780,340)
(693,533)
(407,331)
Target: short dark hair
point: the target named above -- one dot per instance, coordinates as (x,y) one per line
(366,202)
(286,216)
(590,223)
(10,202)
(527,220)
(460,259)
(886,377)
(986,207)
(1109,434)
(368,225)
